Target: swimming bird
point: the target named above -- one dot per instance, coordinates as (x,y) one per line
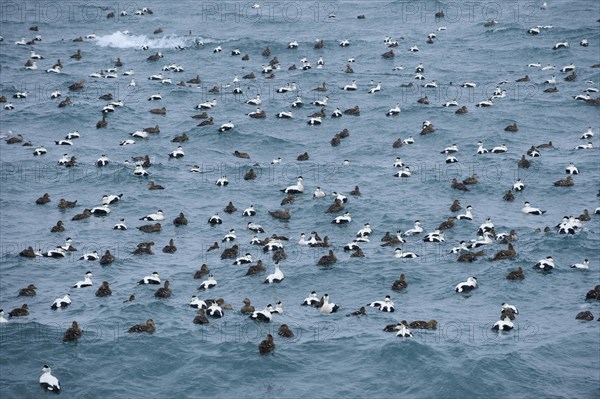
(154,217)
(226,127)
(229,253)
(140,171)
(201,317)
(328,307)
(209,283)
(222,181)
(164,291)
(177,153)
(73,333)
(107,258)
(28,291)
(524,163)
(90,256)
(587,134)
(403,332)
(345,218)
(267,345)
(385,306)
(375,88)
(86,282)
(503,254)
(455,184)
(215,310)
(48,382)
(527,208)
(44,199)
(499,149)
(295,189)
(455,207)
(481,149)
(564,182)
(244,259)
(255,269)
(399,254)
(389,240)
(503,325)
(255,101)
(587,146)
(400,284)
(436,236)
(154,279)
(247,308)
(199,273)
(61,302)
(276,276)
(148,327)
(285,332)
(150,228)
(262,315)
(417,229)
(281,215)
(571,169)
(230,236)
(170,248)
(312,300)
(560,45)
(546,264)
(102,210)
(467,286)
(451,159)
(215,219)
(102,161)
(467,215)
(58,252)
(533,152)
(104,290)
(450,150)
(19,312)
(405,172)
(518,185)
(518,274)
(40,151)
(180,220)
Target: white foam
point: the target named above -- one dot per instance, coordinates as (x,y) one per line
(123,40)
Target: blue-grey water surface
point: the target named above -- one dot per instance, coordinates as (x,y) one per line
(548,354)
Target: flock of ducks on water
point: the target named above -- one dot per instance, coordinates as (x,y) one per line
(465,250)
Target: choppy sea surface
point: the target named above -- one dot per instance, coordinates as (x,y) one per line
(548,354)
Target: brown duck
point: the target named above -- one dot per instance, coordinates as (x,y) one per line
(149,327)
(150,228)
(73,333)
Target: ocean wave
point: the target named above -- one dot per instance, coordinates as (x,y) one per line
(126,40)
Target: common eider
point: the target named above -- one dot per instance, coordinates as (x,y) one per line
(107,258)
(503,325)
(149,327)
(73,333)
(527,208)
(467,286)
(104,290)
(546,264)
(86,282)
(61,303)
(48,382)
(328,307)
(211,282)
(163,292)
(267,345)
(385,306)
(276,276)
